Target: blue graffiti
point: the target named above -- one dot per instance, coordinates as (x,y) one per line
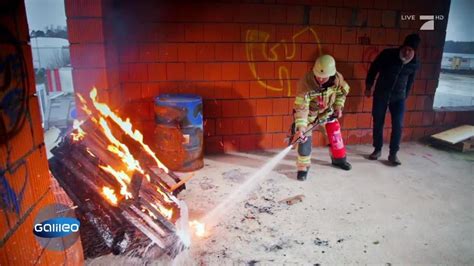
(10,70)
(10,88)
(13,97)
(9,105)
(12,60)
(10,199)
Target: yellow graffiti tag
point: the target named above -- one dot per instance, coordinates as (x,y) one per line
(257,42)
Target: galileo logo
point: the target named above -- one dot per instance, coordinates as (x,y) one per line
(56,227)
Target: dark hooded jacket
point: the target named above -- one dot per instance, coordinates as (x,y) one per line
(395,79)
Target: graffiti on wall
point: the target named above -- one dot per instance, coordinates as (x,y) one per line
(13,113)
(11,198)
(258,49)
(11,91)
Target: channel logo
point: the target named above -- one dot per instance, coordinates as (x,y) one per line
(429,23)
(57,227)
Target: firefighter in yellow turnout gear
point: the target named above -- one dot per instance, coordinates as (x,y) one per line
(321,95)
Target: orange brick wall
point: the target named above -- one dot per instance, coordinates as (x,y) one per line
(23,160)
(245,58)
(94,60)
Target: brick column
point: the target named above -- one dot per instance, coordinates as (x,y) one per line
(25,181)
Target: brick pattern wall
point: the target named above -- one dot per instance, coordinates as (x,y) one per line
(245,57)
(25,181)
(93,58)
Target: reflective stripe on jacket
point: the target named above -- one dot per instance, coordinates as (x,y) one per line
(318,102)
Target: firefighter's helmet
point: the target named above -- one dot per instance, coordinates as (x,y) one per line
(325,66)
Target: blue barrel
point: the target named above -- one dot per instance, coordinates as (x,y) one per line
(179,131)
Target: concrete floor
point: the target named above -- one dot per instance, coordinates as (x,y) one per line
(419,213)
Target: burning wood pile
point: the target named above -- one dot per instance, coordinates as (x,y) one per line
(125,196)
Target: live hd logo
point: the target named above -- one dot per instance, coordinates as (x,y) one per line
(430,19)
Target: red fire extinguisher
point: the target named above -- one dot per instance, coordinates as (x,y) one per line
(337,148)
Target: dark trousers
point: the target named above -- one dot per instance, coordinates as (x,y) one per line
(397,110)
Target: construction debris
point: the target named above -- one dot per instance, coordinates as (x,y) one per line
(459,138)
(456,135)
(321,243)
(292,200)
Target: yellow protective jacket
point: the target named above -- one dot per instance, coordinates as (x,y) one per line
(318,102)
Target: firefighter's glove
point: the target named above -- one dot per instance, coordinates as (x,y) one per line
(300,135)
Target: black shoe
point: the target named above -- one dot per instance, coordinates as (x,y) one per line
(375,155)
(394,159)
(301,175)
(342,163)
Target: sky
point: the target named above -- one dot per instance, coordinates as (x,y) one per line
(460,21)
(44,13)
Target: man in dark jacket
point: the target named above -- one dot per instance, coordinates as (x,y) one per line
(396,68)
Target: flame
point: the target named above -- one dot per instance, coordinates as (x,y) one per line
(150,213)
(84,104)
(90,152)
(165,196)
(122,178)
(168,213)
(126,126)
(199,228)
(119,148)
(77,127)
(110,195)
(103,116)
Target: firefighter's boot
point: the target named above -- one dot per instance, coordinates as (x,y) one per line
(302,173)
